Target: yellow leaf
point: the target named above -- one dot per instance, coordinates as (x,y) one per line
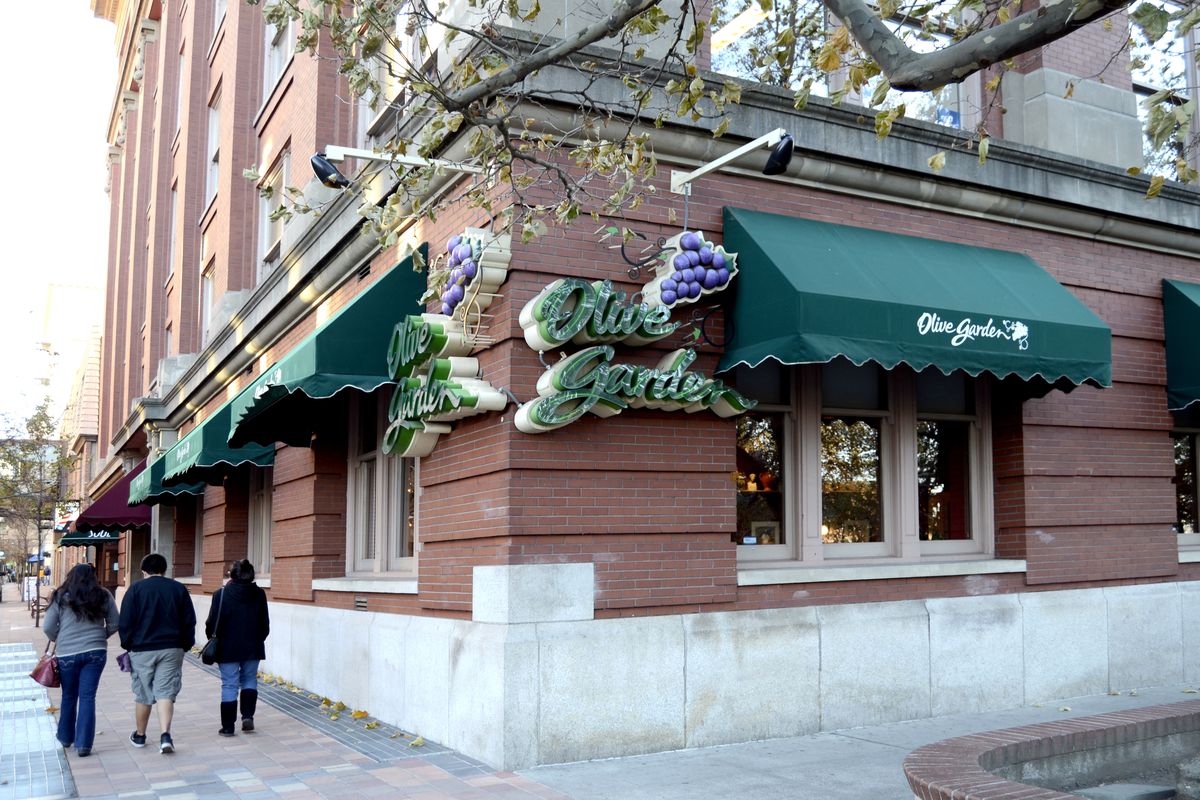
(937,161)
(993,84)
(396,735)
(828,59)
(371,725)
(1108,25)
(841,39)
(1064,708)
(1134,171)
(1189,691)
(339,706)
(325,701)
(984,146)
(1070,89)
(359,714)
(417,742)
(334,716)
(51,709)
(1003,14)
(1156,184)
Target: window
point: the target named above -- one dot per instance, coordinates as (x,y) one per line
(846,462)
(272,213)
(277,51)
(198,540)
(168,342)
(1165,79)
(381,495)
(219,9)
(258,540)
(213,174)
(206,303)
(172,234)
(1185,440)
(179,78)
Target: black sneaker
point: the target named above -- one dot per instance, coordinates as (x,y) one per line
(137,739)
(248,724)
(165,745)
(226,732)
(84,752)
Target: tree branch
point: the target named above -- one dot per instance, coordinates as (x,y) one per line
(622,13)
(908,70)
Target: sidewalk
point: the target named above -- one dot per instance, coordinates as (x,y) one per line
(300,752)
(296,751)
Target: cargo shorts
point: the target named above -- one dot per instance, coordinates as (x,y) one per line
(156,675)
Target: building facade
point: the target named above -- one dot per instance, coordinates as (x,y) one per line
(930,450)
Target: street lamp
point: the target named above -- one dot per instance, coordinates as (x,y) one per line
(781,155)
(328,174)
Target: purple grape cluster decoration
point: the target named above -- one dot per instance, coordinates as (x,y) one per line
(464,267)
(696,268)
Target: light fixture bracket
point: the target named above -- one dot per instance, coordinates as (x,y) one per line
(335,153)
(681,181)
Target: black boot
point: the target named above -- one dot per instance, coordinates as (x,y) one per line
(249,703)
(228,717)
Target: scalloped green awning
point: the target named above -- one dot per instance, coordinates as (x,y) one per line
(349,351)
(147,486)
(809,292)
(1181,321)
(205,455)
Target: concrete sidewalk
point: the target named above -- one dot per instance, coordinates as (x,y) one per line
(299,751)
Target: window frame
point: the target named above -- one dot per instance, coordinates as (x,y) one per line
(212,172)
(801,484)
(270,232)
(1142,89)
(279,46)
(259,521)
(207,300)
(394,493)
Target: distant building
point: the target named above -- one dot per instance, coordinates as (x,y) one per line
(996,506)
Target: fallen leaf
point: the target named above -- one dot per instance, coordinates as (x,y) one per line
(359,714)
(396,735)
(417,742)
(937,161)
(1064,708)
(1190,691)
(334,716)
(314,697)
(1133,693)
(372,725)
(325,701)
(51,709)
(1114,694)
(339,706)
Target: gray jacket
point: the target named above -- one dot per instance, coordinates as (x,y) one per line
(74,634)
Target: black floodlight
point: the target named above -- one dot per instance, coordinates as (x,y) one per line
(781,156)
(327,173)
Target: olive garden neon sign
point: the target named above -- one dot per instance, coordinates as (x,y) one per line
(573,310)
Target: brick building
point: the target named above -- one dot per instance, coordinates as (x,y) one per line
(996,506)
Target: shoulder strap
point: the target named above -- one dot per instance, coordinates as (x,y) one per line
(220,602)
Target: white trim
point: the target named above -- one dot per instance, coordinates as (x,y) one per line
(767,576)
(382,585)
(1189,556)
(191,580)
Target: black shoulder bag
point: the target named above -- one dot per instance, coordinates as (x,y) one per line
(208,654)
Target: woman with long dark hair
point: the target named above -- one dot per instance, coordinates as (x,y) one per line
(238,618)
(81,617)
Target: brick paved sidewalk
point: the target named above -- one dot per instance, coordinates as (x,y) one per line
(297,751)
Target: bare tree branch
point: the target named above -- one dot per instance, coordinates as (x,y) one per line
(909,70)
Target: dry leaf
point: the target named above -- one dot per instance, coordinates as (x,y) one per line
(334,716)
(359,714)
(937,161)
(1064,708)
(1189,691)
(1133,693)
(51,709)
(372,725)
(339,706)
(396,735)
(417,742)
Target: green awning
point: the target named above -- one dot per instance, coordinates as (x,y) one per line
(82,539)
(147,487)
(808,292)
(205,455)
(349,351)
(1181,321)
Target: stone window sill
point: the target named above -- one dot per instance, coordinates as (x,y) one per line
(383,585)
(791,573)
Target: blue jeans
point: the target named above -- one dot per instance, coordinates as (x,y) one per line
(237,675)
(80,675)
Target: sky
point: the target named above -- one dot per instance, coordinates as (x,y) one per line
(59,82)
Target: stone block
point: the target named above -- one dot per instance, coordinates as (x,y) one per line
(751,675)
(611,687)
(874,663)
(427,675)
(386,678)
(975,654)
(517,593)
(1189,603)
(1145,645)
(1065,643)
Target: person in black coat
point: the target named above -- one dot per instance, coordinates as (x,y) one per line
(238,618)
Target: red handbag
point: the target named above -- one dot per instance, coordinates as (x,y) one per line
(46,671)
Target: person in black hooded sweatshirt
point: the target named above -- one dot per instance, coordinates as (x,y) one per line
(238,618)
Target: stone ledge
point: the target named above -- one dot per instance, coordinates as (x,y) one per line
(959,769)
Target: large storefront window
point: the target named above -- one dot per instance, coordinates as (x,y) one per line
(884,464)
(258,544)
(1185,486)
